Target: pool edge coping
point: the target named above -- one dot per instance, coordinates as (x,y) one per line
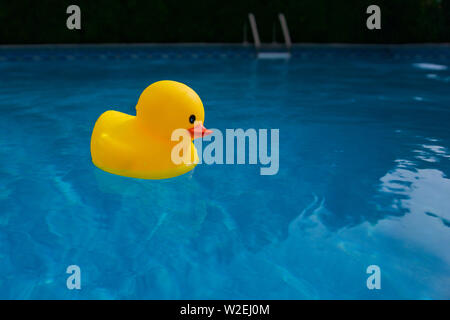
(221,44)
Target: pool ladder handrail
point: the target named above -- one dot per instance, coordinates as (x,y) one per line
(252,20)
(257,41)
(285,29)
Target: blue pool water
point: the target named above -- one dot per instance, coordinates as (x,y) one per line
(363,179)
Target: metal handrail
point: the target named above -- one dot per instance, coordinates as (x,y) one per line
(254,28)
(284,27)
(270,54)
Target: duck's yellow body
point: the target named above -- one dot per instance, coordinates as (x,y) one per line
(141,146)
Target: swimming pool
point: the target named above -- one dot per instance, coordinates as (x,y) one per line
(363,176)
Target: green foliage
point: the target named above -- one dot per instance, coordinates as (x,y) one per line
(44,21)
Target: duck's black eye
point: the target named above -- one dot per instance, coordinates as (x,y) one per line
(192,118)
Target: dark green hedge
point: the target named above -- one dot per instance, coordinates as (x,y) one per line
(44,21)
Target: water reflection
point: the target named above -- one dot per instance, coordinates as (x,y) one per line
(421,190)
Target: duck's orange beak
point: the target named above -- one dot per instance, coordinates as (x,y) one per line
(199,131)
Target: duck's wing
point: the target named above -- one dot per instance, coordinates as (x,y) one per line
(109,150)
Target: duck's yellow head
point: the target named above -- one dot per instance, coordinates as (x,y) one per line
(165,106)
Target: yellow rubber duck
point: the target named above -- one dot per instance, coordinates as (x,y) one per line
(141,146)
